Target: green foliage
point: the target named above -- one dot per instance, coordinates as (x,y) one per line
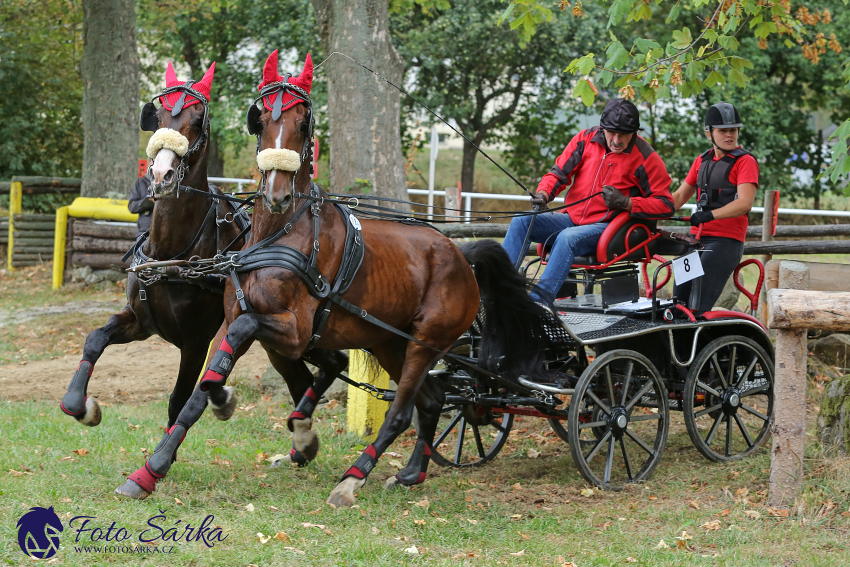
(40,88)
(475,71)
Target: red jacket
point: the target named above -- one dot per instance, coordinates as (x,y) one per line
(588,164)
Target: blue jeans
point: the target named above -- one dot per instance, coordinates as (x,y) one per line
(567,239)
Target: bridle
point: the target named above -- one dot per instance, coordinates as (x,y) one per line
(148,121)
(279,88)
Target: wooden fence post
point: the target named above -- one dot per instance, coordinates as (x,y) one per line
(789,421)
(365,413)
(15,197)
(767,226)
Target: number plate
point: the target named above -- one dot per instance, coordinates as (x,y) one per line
(687,268)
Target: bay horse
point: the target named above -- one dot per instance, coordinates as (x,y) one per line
(185,223)
(296,285)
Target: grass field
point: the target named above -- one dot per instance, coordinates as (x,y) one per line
(514,511)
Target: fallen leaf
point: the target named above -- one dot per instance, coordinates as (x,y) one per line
(532,454)
(423,503)
(630,560)
(81,452)
(516,516)
(392,454)
(682,541)
(375,531)
(396,463)
(651,497)
(516,486)
(662,545)
(712,526)
(570,564)
(412,550)
(405,513)
(178,502)
(777,513)
(250,507)
(274,508)
(588,492)
(473,522)
(518,553)
(13,472)
(282,536)
(742,491)
(524,536)
(724,513)
(441,520)
(294,550)
(419,522)
(263,538)
(309,525)
(734,527)
(694,504)
(752,514)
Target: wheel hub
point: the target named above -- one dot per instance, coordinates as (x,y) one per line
(731,400)
(618,422)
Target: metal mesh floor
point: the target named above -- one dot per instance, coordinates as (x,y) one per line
(592,326)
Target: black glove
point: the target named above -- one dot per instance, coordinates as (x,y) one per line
(701,217)
(614,199)
(539,201)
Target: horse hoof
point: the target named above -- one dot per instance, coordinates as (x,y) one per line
(92,415)
(132,490)
(392,483)
(225,411)
(343,495)
(304,439)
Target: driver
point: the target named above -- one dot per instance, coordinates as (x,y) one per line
(609,169)
(726,178)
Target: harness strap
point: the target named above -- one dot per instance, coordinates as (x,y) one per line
(143,297)
(240,294)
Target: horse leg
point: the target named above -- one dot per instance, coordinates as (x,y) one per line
(240,335)
(123,327)
(235,340)
(429,404)
(298,379)
(305,443)
(418,361)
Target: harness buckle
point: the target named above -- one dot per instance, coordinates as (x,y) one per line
(316,245)
(143,295)
(240,294)
(287,228)
(363,313)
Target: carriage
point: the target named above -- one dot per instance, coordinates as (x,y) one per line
(619,365)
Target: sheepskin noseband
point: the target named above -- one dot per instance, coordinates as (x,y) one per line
(168,139)
(279,159)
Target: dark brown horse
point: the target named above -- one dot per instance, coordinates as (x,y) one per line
(185,223)
(412,278)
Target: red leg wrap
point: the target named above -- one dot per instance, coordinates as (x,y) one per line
(144,478)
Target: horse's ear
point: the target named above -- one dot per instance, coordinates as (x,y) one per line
(253,120)
(149,121)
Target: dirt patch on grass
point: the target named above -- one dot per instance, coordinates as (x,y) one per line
(134,372)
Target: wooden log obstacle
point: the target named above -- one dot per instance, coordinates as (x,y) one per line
(801,296)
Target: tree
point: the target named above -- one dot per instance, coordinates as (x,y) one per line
(363,110)
(40,89)
(474,71)
(691,61)
(110,112)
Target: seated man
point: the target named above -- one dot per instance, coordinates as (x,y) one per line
(610,168)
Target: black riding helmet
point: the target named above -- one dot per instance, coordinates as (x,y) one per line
(620,115)
(723,115)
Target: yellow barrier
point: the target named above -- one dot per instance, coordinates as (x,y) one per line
(365,413)
(15,197)
(84,207)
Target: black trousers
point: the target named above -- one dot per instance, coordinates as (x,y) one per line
(719,259)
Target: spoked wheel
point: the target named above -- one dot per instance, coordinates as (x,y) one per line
(470,435)
(620,396)
(728,398)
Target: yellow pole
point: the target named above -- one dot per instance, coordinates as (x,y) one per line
(59,246)
(365,413)
(15,197)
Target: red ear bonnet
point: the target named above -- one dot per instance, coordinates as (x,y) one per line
(171,80)
(271,75)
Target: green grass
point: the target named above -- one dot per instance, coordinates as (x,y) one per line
(517,504)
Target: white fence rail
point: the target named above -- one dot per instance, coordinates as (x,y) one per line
(468,197)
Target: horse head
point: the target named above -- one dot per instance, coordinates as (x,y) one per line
(179,118)
(282,119)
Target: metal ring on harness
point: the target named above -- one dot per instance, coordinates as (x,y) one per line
(356,203)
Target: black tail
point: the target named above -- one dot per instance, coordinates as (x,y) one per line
(513,334)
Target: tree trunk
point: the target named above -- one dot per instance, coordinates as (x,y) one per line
(467,170)
(215,166)
(363,110)
(110,70)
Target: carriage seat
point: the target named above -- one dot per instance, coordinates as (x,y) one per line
(625,239)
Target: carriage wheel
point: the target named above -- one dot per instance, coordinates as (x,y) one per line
(728,398)
(470,435)
(620,395)
(557,426)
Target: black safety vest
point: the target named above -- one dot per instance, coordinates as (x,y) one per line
(713,179)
